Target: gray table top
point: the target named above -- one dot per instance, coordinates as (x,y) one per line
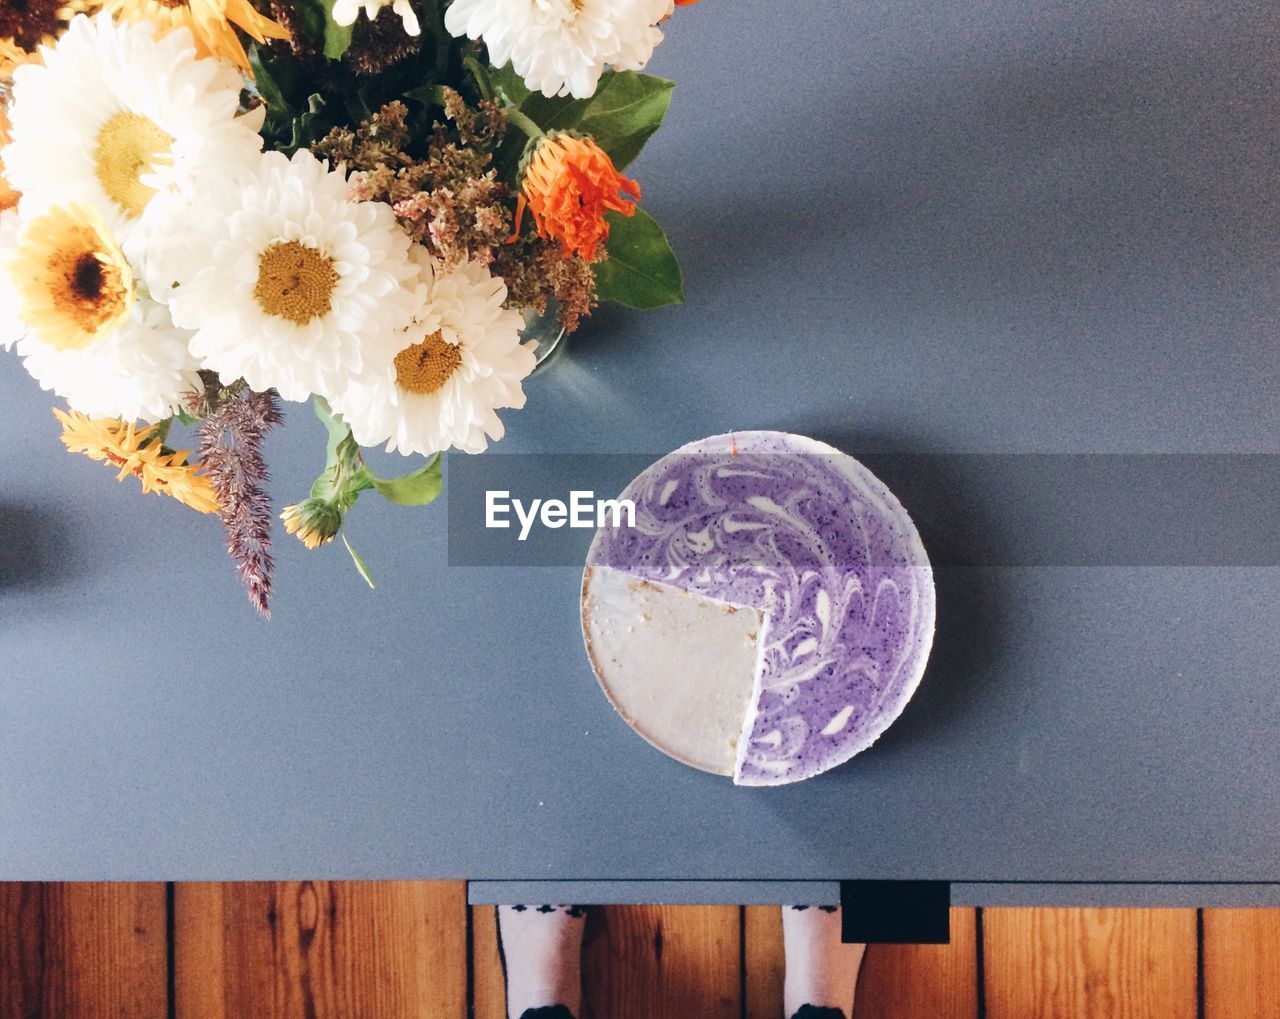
(940,227)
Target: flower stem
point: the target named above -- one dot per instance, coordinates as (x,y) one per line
(525,124)
(162,429)
(480,73)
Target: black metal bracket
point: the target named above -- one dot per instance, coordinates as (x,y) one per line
(896,912)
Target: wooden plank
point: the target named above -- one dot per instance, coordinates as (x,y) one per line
(82,951)
(488,989)
(939,981)
(1242,963)
(642,962)
(312,950)
(1085,963)
(764,961)
(639,962)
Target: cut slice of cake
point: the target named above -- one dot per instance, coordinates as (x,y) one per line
(679,667)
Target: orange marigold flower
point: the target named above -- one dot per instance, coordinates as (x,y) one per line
(569,185)
(140,452)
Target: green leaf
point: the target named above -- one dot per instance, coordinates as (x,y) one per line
(265,83)
(510,84)
(276,81)
(414,489)
(360,566)
(325,486)
(336,37)
(625,112)
(344,476)
(311,17)
(641,270)
(433,24)
(428,95)
(559,114)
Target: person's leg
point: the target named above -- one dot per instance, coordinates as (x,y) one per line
(542,959)
(822,971)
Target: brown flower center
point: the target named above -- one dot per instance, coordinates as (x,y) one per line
(129,145)
(424,367)
(295,282)
(87,278)
(87,292)
(28,22)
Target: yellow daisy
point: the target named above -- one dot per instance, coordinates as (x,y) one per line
(139,452)
(212,23)
(74,285)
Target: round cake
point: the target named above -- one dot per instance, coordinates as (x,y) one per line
(769,612)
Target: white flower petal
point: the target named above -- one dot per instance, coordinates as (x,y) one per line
(141,371)
(12,328)
(459,303)
(99,69)
(299,199)
(561,47)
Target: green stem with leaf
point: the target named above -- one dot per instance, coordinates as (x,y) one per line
(525,123)
(346,475)
(480,73)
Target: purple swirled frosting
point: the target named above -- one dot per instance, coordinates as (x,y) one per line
(806,535)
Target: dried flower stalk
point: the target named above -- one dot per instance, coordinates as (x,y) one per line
(231,440)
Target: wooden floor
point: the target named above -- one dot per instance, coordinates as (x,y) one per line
(404,950)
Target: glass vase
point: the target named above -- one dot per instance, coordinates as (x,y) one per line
(547,332)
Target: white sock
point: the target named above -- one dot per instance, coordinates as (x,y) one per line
(822,971)
(542,946)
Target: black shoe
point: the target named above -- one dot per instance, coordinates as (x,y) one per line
(548,1012)
(811,1012)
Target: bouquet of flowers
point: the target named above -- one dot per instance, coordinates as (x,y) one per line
(211,206)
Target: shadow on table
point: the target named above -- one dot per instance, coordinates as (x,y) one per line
(33,549)
(967,642)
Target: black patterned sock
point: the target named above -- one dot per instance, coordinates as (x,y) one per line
(816,1012)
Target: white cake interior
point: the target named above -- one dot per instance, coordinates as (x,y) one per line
(680,668)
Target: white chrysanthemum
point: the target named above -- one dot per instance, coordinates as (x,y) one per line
(345,12)
(140,371)
(458,364)
(561,47)
(113,115)
(12,328)
(286,283)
